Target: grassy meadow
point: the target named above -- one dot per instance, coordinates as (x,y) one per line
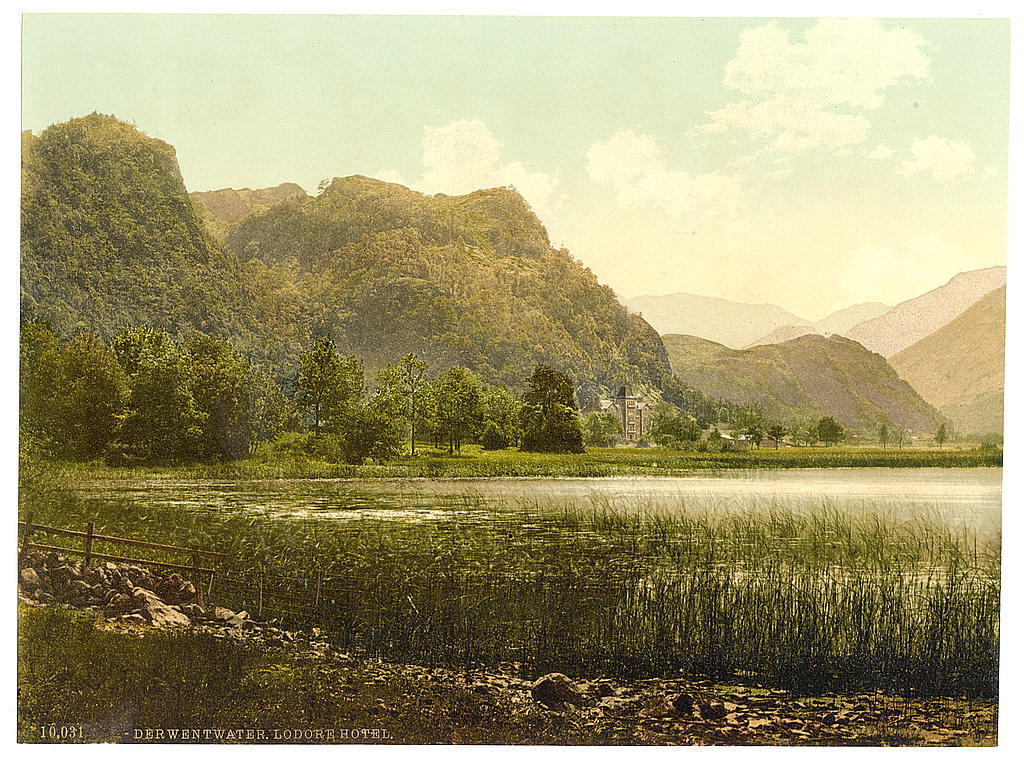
(473,461)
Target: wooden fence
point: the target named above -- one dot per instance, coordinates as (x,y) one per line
(196,568)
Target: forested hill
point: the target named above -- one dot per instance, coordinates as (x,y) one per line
(803,379)
(469,280)
(111,239)
(221,209)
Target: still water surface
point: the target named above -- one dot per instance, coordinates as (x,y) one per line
(961,498)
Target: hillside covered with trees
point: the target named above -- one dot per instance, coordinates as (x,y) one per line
(111,240)
(807,378)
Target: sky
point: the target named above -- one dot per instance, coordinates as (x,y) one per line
(807,163)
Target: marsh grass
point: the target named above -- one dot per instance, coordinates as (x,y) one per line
(830,598)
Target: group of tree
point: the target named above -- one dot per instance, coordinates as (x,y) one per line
(147,397)
(143,396)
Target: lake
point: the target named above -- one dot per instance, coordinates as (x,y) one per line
(962,498)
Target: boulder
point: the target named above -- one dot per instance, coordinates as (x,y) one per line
(712,711)
(222,614)
(556,691)
(159,614)
(29,579)
(682,704)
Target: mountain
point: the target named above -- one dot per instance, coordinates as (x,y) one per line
(715,319)
(844,319)
(959,368)
(222,208)
(110,239)
(802,379)
(785,333)
(912,320)
(469,279)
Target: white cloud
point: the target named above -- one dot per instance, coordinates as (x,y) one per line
(945,158)
(884,274)
(465,155)
(880,152)
(794,90)
(633,165)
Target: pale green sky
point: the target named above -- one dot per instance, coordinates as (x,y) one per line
(806,163)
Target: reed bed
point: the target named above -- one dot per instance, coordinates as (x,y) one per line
(834,598)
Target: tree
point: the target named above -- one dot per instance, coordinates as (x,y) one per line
(550,415)
(363,431)
(671,427)
(240,407)
(940,435)
(883,434)
(750,421)
(492,438)
(777,431)
(830,431)
(39,370)
(601,429)
(91,396)
(406,382)
(327,385)
(162,422)
(502,407)
(457,406)
(899,434)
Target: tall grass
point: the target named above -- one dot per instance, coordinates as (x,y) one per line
(830,599)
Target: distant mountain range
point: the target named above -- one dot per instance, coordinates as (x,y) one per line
(715,319)
(959,368)
(803,379)
(908,322)
(844,319)
(740,325)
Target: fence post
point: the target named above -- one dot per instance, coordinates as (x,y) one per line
(27,531)
(259,610)
(197,580)
(316,600)
(89,530)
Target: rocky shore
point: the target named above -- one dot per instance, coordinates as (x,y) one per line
(605,710)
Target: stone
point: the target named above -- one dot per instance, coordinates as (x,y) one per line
(222,614)
(556,691)
(29,579)
(159,614)
(193,610)
(682,704)
(712,711)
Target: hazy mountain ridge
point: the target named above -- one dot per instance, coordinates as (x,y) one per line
(841,321)
(959,368)
(785,333)
(910,321)
(732,323)
(802,379)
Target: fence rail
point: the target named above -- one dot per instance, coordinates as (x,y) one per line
(196,568)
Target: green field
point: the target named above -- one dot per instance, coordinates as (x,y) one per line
(596,462)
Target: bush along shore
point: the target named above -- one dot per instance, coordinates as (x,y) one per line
(120,654)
